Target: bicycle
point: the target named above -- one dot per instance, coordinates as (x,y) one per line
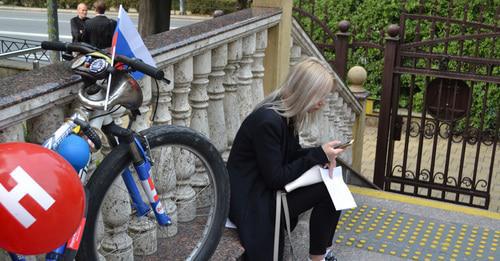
(155,155)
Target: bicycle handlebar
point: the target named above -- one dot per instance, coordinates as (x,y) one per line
(136,64)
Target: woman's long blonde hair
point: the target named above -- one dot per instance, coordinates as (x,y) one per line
(307,83)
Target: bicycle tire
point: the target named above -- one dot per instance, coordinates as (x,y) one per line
(114,163)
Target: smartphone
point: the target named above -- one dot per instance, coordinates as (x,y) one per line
(344,145)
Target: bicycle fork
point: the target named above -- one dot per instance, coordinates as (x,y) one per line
(143,169)
(142,166)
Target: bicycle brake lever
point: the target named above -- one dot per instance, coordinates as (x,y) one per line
(166,80)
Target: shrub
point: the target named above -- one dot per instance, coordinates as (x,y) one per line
(369,17)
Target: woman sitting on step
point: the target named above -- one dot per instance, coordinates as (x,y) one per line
(266,155)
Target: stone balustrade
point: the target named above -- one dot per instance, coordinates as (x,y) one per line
(216,70)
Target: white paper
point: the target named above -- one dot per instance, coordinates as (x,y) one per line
(312,176)
(230,224)
(338,190)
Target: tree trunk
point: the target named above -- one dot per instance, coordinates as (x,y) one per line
(154,16)
(53,27)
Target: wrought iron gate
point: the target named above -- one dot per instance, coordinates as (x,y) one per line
(443,144)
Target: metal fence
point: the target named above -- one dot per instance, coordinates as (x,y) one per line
(22,50)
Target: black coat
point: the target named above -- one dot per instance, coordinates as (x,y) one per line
(265,156)
(99,31)
(77,28)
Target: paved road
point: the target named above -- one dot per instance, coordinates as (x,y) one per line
(32,24)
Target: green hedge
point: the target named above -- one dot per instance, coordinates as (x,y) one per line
(373,16)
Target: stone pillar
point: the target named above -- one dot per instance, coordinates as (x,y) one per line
(278,49)
(142,121)
(41,127)
(216,116)
(231,113)
(184,167)
(258,67)
(245,77)
(12,133)
(163,172)
(356,78)
(199,119)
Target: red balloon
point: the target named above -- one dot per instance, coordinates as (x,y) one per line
(42,200)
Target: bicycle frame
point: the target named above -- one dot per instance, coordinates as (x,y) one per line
(142,166)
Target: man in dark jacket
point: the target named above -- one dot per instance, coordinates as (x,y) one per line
(99,30)
(78,23)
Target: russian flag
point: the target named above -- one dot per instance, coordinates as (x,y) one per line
(128,42)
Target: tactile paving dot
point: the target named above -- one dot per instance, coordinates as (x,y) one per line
(412,237)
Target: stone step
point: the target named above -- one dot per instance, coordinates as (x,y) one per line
(229,247)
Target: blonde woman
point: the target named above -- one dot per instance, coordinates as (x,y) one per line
(266,156)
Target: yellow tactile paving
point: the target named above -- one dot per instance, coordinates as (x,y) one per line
(417,238)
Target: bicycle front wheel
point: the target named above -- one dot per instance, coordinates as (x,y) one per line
(193,185)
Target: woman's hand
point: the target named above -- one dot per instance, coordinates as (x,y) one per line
(331,154)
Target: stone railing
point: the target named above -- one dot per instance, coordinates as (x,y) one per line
(217,72)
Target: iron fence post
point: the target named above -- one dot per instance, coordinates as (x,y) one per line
(342,49)
(383,134)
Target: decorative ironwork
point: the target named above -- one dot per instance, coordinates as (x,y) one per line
(433,50)
(447,99)
(458,84)
(9,44)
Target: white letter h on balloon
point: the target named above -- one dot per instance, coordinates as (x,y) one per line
(26,185)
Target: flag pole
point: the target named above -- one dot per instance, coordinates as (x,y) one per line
(113,51)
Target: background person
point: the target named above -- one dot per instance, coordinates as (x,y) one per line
(99,29)
(266,156)
(78,23)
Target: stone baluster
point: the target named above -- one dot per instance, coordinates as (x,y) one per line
(232,115)
(164,96)
(216,116)
(337,108)
(141,229)
(295,54)
(41,127)
(258,67)
(116,210)
(346,116)
(183,76)
(116,244)
(142,121)
(350,125)
(163,172)
(198,96)
(245,77)
(199,120)
(12,133)
(331,117)
(184,167)
(324,123)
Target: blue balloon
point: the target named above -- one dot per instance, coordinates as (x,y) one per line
(75,150)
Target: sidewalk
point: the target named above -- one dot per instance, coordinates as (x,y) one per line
(388,226)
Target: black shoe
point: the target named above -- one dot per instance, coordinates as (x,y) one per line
(330,256)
